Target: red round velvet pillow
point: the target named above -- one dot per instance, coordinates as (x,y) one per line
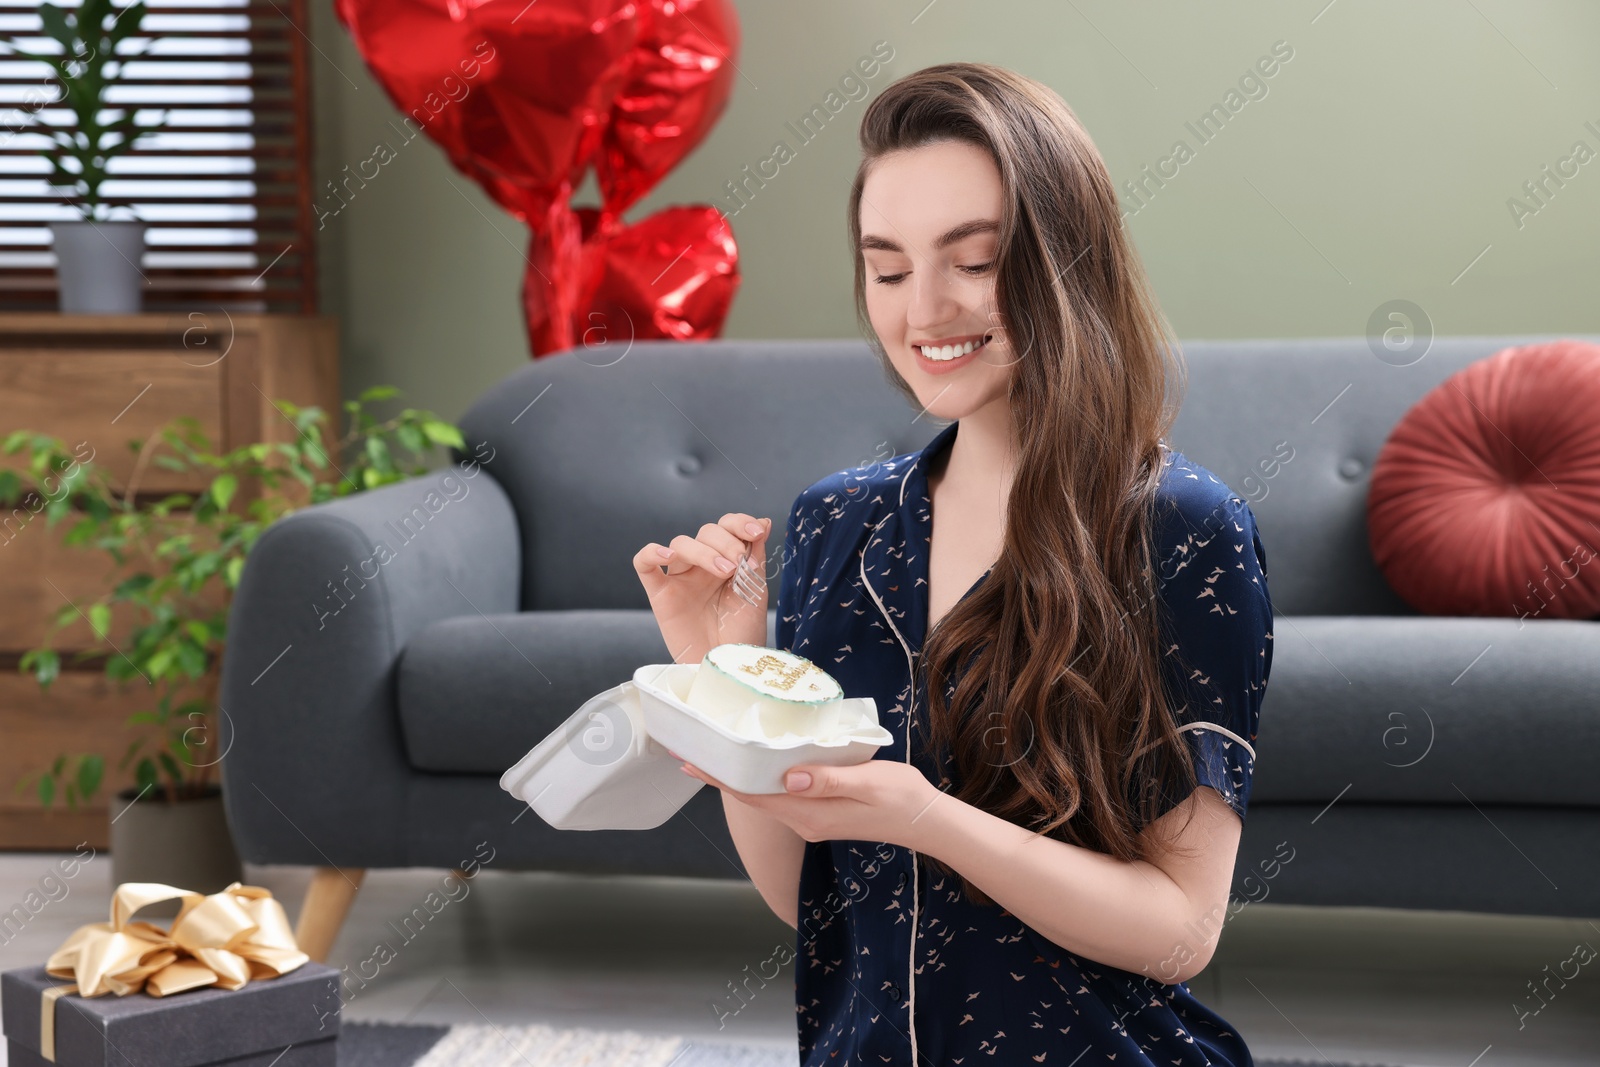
(1485,500)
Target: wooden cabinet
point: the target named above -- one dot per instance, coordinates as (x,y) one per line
(97,382)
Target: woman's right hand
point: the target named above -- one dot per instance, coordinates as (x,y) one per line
(694,601)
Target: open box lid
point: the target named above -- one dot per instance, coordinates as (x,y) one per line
(600,770)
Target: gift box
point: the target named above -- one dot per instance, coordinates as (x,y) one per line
(288,1021)
(225,983)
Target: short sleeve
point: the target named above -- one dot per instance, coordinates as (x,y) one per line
(1217,652)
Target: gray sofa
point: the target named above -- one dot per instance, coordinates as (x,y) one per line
(392,653)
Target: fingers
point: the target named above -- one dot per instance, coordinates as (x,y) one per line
(735,534)
(746,528)
(695,552)
(647,564)
(717,549)
(752,533)
(754,800)
(695,772)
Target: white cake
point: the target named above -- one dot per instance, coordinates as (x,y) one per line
(765,693)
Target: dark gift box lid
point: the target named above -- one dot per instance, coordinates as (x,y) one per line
(189,1029)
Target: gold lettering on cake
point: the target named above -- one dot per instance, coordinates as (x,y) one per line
(785,678)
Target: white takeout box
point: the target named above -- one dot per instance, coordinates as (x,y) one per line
(609,765)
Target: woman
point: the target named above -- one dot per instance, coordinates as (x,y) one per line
(1031,870)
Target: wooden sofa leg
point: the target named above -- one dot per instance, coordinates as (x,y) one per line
(328,901)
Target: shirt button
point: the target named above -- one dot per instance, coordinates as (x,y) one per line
(901,884)
(894,993)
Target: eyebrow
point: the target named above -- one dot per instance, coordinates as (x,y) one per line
(949,237)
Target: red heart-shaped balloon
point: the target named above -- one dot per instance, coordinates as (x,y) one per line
(677,87)
(595,283)
(523,95)
(517,93)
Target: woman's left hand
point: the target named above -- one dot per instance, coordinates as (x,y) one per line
(879,800)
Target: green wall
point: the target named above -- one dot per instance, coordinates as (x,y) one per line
(1378,162)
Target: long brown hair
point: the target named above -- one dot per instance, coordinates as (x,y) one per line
(1070,732)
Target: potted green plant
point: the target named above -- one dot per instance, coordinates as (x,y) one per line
(178,560)
(97,257)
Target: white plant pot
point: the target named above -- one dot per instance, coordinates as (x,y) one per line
(97,266)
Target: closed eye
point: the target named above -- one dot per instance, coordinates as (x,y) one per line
(896,279)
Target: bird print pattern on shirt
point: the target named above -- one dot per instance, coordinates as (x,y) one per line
(891,956)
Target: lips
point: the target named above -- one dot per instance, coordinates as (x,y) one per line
(982,340)
(945,366)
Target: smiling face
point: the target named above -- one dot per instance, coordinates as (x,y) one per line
(930,220)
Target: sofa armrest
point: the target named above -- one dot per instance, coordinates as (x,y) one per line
(314,769)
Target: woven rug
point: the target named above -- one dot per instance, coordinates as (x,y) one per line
(477,1045)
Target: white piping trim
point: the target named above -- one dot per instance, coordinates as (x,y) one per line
(911,958)
(1220,730)
(906,477)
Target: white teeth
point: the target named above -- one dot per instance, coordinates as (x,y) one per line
(947,352)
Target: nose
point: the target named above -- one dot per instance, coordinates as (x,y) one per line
(933,302)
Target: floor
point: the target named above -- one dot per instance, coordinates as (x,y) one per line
(662,956)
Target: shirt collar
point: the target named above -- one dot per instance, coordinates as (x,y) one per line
(916,484)
(895,553)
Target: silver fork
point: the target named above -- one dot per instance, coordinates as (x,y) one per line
(750,586)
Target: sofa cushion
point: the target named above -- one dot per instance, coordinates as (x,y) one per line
(476,692)
(1372,709)
(1485,497)
(1430,710)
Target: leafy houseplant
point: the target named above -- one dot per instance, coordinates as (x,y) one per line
(178,560)
(98,259)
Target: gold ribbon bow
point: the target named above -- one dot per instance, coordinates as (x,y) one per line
(224,939)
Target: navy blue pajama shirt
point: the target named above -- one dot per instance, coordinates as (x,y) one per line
(893,964)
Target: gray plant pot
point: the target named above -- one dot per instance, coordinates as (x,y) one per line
(186,844)
(97,266)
